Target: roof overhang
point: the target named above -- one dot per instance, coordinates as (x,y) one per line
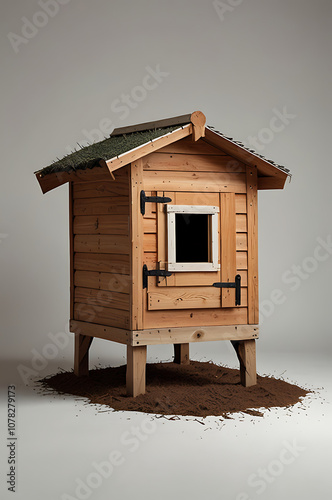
(269,176)
(107,167)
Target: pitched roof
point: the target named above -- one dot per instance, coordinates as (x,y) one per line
(252,152)
(127,144)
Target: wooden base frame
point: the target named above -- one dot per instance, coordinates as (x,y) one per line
(180,335)
(242,337)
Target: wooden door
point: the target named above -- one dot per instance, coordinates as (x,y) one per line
(193,289)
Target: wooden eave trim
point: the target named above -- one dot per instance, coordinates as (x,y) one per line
(55,179)
(265,169)
(271,182)
(149,147)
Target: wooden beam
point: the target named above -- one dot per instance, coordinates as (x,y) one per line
(136,370)
(167,122)
(187,297)
(246,353)
(71,251)
(252,221)
(165,335)
(81,355)
(161,240)
(184,335)
(183,298)
(136,238)
(149,147)
(228,247)
(181,354)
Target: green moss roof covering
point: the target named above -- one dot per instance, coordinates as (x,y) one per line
(89,156)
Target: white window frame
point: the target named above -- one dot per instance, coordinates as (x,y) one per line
(171,243)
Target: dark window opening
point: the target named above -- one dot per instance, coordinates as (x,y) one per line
(192,237)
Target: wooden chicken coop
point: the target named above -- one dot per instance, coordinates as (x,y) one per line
(163,241)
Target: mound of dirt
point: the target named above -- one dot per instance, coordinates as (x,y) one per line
(197,389)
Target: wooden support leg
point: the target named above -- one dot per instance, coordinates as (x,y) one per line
(81,356)
(181,354)
(246,352)
(136,367)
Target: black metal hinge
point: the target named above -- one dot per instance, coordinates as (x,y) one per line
(153,272)
(152,199)
(236,285)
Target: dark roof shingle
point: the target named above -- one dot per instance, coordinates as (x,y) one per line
(90,156)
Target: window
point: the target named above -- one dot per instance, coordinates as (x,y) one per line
(192,238)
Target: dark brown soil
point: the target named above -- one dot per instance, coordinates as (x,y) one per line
(198,389)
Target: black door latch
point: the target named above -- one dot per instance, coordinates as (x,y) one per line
(153,272)
(236,285)
(152,199)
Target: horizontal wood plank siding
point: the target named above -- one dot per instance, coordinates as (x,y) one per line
(188,146)
(102,251)
(109,263)
(102,281)
(188,297)
(104,243)
(194,317)
(192,163)
(103,298)
(101,189)
(113,205)
(101,224)
(101,315)
(195,181)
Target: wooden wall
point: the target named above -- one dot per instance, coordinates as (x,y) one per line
(100,260)
(106,223)
(188,167)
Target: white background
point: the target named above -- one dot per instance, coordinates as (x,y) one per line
(241,64)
